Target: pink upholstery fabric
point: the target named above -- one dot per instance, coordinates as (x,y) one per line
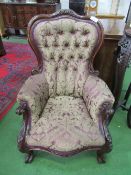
(65,125)
(95,93)
(66,46)
(36,92)
(65,99)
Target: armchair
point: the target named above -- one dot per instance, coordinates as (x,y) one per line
(66,108)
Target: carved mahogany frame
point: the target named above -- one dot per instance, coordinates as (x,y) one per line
(105,110)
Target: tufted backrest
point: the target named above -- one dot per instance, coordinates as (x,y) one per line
(65,44)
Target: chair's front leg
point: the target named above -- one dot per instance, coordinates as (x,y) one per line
(29,157)
(100,157)
(105,113)
(24,110)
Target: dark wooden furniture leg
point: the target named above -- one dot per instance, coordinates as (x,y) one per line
(100,157)
(129,117)
(2,50)
(29,157)
(127,95)
(123,106)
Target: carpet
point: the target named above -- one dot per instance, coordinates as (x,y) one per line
(15,68)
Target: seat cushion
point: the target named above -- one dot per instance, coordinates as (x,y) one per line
(65,125)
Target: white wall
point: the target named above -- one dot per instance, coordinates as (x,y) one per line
(104,7)
(64,4)
(124,6)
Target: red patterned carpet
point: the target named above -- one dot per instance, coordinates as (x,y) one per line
(15,68)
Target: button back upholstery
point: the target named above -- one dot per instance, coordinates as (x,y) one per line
(66,45)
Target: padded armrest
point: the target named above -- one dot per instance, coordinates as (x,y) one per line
(35,92)
(95,94)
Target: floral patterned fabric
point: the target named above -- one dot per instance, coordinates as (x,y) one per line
(95,93)
(36,92)
(65,125)
(66,45)
(65,99)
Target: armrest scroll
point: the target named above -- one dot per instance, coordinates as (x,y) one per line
(22,108)
(98,97)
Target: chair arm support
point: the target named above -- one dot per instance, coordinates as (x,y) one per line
(22,108)
(98,97)
(35,93)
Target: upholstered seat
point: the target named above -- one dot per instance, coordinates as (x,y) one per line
(66,107)
(65,125)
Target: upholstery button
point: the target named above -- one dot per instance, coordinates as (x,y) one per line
(77,44)
(71,56)
(72,31)
(46,43)
(86,44)
(67,62)
(85,32)
(60,32)
(75,69)
(80,56)
(60,57)
(48,33)
(66,44)
(66,68)
(52,56)
(55,44)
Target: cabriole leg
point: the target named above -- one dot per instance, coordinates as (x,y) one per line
(29,157)
(100,157)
